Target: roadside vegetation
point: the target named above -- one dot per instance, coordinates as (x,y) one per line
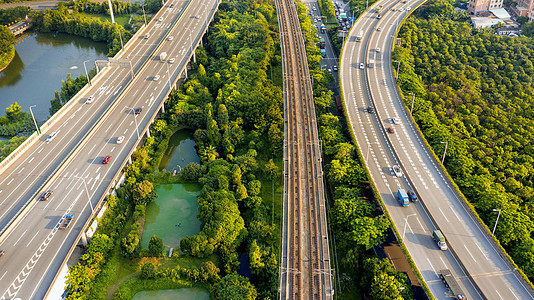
(355,219)
(474,90)
(237,113)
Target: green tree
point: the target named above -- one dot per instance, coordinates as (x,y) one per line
(142,192)
(148,271)
(7,40)
(155,246)
(232,287)
(13,111)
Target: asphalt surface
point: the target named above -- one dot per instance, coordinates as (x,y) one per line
(438,204)
(36,248)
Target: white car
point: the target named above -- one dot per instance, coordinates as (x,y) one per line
(171,61)
(378,49)
(397,171)
(395,120)
(156,78)
(120,139)
(170,38)
(51,136)
(90,100)
(379,29)
(146,36)
(160,19)
(362,66)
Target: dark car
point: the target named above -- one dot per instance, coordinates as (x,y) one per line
(45,196)
(138,110)
(370,109)
(106,159)
(2,252)
(412,196)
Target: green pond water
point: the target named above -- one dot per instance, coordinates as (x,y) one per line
(180,152)
(185,293)
(172,215)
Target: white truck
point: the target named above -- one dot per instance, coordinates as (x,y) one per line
(163,56)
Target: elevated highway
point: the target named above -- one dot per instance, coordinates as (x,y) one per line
(481,269)
(71,163)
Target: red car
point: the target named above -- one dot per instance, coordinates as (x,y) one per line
(391,130)
(106,159)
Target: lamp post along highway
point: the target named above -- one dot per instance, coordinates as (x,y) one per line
(135,118)
(87,74)
(496,221)
(398,67)
(405,224)
(444,152)
(113,21)
(35,122)
(88,196)
(413,100)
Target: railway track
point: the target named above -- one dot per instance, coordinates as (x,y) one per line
(305,263)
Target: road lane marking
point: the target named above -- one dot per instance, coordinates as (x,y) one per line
(10,181)
(496,291)
(483,253)
(3,276)
(31,159)
(443,215)
(98,169)
(112,149)
(20,237)
(21,170)
(469,253)
(508,288)
(40,150)
(32,239)
(125,131)
(431,266)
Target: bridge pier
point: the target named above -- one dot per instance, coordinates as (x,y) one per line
(84,239)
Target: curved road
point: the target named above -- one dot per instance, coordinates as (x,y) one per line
(491,276)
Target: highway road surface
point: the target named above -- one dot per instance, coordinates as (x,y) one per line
(36,248)
(471,249)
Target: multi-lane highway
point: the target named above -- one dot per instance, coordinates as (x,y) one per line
(488,275)
(35,249)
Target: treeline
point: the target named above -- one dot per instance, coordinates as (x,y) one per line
(11,14)
(62,20)
(356,223)
(475,91)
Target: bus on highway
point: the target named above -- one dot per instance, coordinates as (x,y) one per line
(451,284)
(359,36)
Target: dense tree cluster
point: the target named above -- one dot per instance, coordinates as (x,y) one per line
(11,14)
(64,20)
(474,90)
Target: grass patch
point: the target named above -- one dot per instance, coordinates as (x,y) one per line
(121,19)
(276,75)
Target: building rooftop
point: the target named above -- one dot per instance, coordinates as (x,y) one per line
(501,13)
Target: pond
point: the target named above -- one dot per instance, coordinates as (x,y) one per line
(180,152)
(42,61)
(172,215)
(185,294)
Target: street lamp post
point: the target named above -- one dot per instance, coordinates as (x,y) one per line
(135,118)
(35,122)
(444,152)
(113,21)
(413,100)
(87,191)
(496,221)
(398,67)
(144,15)
(87,74)
(405,224)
